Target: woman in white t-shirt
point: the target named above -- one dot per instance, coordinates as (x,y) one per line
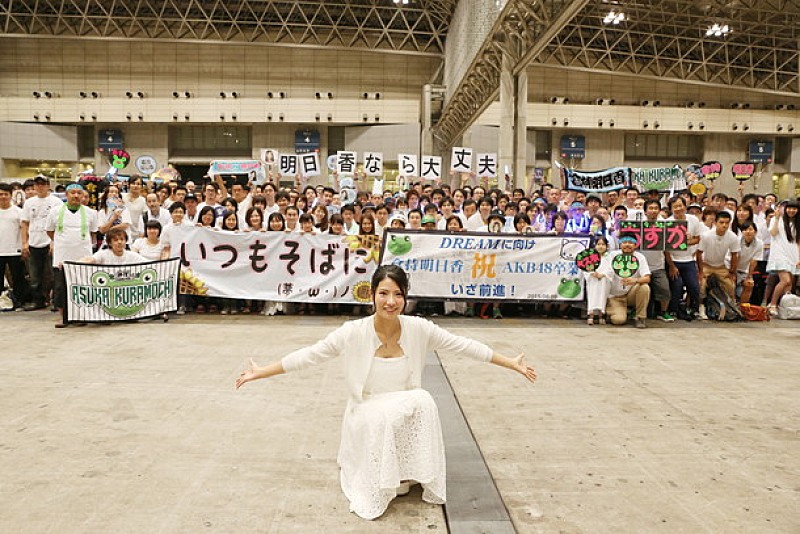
(151,246)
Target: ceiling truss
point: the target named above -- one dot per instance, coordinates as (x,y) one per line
(665,39)
(379,25)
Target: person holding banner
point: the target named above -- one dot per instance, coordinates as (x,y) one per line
(71,229)
(391,434)
(629,274)
(116,254)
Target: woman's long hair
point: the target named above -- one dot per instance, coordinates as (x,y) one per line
(792,224)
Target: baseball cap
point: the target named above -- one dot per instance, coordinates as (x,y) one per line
(627,239)
(428,220)
(190,196)
(496,215)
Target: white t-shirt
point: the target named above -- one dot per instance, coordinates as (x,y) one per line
(107,257)
(172,236)
(125,217)
(69,245)
(136,208)
(10,239)
(753,252)
(143,247)
(35,211)
(475,222)
(694,229)
(607,268)
(164,218)
(716,247)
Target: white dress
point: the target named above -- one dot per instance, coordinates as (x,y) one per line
(392,436)
(783,255)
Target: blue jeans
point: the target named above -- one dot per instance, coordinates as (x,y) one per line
(688,278)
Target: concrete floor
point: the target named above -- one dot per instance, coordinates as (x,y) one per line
(137,428)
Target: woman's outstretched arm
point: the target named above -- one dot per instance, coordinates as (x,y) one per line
(255,372)
(515,364)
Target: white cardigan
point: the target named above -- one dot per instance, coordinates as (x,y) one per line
(357,342)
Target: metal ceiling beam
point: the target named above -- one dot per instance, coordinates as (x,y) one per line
(378,25)
(522,30)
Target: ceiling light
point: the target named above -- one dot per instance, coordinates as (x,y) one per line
(404,2)
(614,18)
(718,30)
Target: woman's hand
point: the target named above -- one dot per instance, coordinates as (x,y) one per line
(248,374)
(521,367)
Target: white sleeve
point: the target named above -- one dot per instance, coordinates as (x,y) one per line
(330,347)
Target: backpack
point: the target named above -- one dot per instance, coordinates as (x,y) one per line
(789,307)
(719,306)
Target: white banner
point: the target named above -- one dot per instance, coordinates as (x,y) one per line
(407,165)
(309,164)
(120,292)
(487,165)
(277,266)
(461,159)
(346,162)
(431,168)
(287,164)
(483,267)
(373,163)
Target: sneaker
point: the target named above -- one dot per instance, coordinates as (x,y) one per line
(496,314)
(469,312)
(181,310)
(640,323)
(701,315)
(32,306)
(667,317)
(225,311)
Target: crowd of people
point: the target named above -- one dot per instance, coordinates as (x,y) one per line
(748,242)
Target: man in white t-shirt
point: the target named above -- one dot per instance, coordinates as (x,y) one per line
(154,211)
(751,253)
(681,264)
(36,243)
(629,274)
(715,246)
(11,247)
(72,229)
(115,254)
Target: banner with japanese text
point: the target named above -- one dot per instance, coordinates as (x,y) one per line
(661,179)
(596,181)
(277,266)
(483,266)
(103,293)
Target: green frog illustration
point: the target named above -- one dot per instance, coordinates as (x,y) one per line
(625,265)
(569,288)
(104,279)
(399,245)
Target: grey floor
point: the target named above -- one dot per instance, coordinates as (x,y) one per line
(137,428)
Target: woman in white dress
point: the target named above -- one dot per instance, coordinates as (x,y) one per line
(784,255)
(391,435)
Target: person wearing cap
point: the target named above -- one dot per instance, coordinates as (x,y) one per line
(629,273)
(397,220)
(36,243)
(696,210)
(428,223)
(71,228)
(191,202)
